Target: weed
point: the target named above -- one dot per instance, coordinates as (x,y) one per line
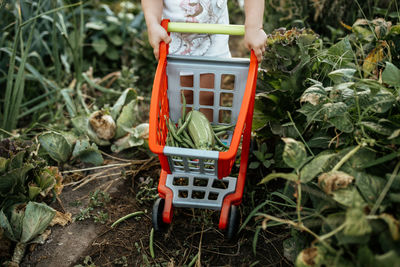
(138,248)
(101,217)
(123,261)
(84,214)
(148,191)
(87,262)
(98,199)
(263,158)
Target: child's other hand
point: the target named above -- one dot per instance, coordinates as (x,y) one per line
(157,34)
(256,39)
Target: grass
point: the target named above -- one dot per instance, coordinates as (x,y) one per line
(44,54)
(20,71)
(15,90)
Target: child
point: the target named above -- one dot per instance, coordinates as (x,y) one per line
(202,11)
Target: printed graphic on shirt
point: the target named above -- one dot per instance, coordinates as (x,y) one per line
(197,11)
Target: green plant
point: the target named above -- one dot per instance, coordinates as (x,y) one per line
(143,61)
(323,16)
(15,89)
(236,12)
(290,59)
(98,199)
(263,158)
(101,217)
(60,147)
(87,262)
(76,203)
(117,127)
(54,58)
(110,34)
(147,192)
(344,213)
(25,18)
(375,42)
(284,13)
(24,176)
(24,224)
(123,261)
(340,181)
(84,214)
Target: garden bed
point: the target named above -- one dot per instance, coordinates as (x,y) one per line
(192,232)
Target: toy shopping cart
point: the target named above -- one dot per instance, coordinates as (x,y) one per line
(198,178)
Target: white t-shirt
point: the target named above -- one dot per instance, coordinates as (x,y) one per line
(198,11)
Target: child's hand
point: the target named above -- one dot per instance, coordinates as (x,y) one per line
(256,39)
(157,34)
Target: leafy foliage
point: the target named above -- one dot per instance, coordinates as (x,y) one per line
(64,47)
(25,180)
(325,17)
(287,63)
(117,127)
(24,224)
(263,158)
(111,34)
(24,176)
(345,168)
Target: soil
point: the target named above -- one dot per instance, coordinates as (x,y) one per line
(192,232)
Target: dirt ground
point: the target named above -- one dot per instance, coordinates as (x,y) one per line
(88,242)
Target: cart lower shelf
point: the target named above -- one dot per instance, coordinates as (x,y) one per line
(199,191)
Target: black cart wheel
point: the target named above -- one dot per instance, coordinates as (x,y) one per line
(158,208)
(233,223)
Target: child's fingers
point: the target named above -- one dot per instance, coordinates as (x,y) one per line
(157,34)
(163,38)
(156,49)
(156,52)
(163,35)
(256,39)
(258,49)
(167,39)
(259,54)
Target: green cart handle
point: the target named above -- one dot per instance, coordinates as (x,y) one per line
(206,28)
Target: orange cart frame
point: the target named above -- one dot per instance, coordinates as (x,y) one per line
(159,109)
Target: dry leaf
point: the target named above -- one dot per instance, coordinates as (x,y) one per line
(371,61)
(308,256)
(61,219)
(334,180)
(345,26)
